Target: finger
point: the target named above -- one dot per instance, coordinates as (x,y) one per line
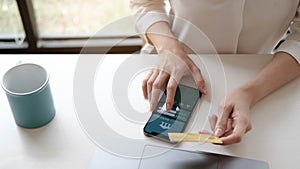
(144,84)
(229,125)
(198,78)
(236,135)
(227,133)
(249,127)
(171,90)
(158,88)
(212,121)
(204,132)
(150,83)
(225,111)
(154,98)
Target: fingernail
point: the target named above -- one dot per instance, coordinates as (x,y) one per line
(218,132)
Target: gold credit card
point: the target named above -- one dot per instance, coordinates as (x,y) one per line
(193,137)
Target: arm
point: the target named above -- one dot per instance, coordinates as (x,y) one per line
(282,69)
(233,120)
(292,43)
(171,53)
(148,13)
(152,22)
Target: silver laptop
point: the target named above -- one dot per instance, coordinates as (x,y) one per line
(180,159)
(167,158)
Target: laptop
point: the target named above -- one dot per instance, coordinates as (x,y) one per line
(157,157)
(167,158)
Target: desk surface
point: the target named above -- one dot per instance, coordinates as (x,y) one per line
(67,143)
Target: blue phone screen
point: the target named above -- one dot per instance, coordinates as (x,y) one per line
(162,122)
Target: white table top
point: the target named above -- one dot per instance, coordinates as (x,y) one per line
(67,143)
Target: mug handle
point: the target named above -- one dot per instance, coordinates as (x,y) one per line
(19,62)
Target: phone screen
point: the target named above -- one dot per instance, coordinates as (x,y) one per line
(162,122)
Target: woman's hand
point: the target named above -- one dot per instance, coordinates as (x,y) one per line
(173,63)
(233,120)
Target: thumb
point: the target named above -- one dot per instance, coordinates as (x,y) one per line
(221,125)
(197,76)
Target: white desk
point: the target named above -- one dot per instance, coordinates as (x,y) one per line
(64,144)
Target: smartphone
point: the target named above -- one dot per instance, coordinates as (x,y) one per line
(161,122)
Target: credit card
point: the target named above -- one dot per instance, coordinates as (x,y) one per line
(193,137)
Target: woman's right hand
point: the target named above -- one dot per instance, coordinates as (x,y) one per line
(173,63)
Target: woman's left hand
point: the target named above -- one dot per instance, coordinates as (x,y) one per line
(233,120)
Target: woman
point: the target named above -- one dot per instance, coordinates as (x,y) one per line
(232,26)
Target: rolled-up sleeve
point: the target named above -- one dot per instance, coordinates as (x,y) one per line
(148,12)
(292,43)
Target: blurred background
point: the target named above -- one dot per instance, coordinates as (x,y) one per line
(64,26)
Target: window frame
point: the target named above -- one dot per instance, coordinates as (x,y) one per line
(36,43)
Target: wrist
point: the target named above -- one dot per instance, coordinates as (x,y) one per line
(160,35)
(163,42)
(250,90)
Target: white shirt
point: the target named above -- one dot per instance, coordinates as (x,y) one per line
(232,26)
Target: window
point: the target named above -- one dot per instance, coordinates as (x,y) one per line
(80,17)
(11,29)
(63,26)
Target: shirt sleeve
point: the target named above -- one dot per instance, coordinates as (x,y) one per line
(292,43)
(148,12)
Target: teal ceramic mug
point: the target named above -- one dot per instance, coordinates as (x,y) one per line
(29,95)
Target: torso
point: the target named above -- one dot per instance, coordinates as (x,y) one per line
(236,26)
